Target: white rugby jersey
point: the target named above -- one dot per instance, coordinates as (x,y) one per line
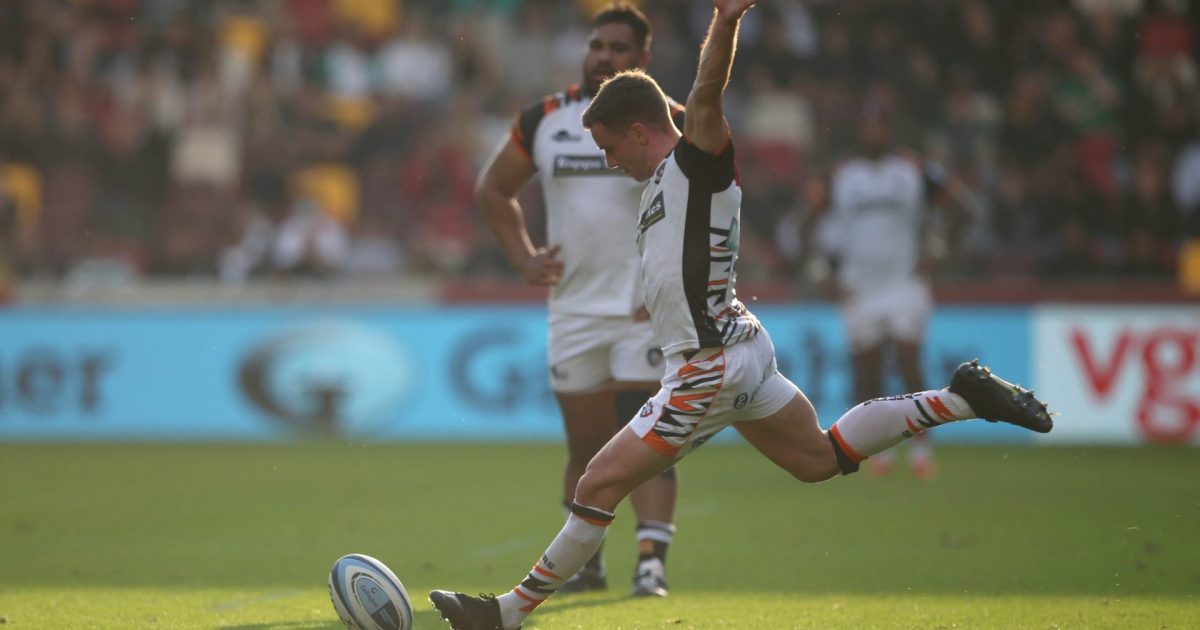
(590,208)
(688,240)
(875,225)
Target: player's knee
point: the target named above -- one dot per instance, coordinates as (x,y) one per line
(598,489)
(814,464)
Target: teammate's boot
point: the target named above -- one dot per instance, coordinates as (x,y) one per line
(650,580)
(923,468)
(465,612)
(920,457)
(996,400)
(880,464)
(588,579)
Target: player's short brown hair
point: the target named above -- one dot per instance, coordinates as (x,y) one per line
(628,97)
(629,15)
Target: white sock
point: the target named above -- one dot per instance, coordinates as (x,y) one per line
(656,531)
(578,541)
(879,424)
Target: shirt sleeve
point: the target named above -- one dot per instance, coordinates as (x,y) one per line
(714,172)
(525,127)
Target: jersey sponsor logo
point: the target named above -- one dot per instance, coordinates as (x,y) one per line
(582,165)
(741,400)
(655,213)
(885,204)
(562,135)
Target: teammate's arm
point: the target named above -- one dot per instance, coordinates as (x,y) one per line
(959,203)
(704,123)
(496,193)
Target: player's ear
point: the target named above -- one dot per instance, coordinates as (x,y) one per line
(639,133)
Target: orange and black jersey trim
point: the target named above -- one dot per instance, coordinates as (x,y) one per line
(529,119)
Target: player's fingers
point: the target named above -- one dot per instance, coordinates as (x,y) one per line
(553,250)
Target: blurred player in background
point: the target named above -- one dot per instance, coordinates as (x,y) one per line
(603,355)
(881,240)
(721,367)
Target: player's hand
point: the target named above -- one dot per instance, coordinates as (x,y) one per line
(544,268)
(732,10)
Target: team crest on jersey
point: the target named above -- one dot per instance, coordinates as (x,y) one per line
(562,135)
(655,213)
(581,165)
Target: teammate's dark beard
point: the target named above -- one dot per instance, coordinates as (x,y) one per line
(590,88)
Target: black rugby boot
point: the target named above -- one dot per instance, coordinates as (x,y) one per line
(996,400)
(465,612)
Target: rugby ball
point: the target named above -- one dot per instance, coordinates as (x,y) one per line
(367,595)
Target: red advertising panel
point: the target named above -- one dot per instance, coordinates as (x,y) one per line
(1120,375)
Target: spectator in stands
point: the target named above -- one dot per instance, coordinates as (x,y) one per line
(284,235)
(1008,91)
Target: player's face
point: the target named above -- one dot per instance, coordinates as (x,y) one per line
(876,135)
(621,150)
(611,49)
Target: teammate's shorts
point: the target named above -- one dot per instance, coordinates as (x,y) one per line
(899,311)
(710,390)
(588,353)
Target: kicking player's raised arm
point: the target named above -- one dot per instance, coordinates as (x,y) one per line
(704,121)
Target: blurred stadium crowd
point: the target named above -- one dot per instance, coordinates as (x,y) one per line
(342,137)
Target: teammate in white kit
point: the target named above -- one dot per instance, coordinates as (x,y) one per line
(604,358)
(875,231)
(721,364)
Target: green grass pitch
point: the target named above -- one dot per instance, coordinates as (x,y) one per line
(218,536)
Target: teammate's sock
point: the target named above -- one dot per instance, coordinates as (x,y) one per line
(877,425)
(571,548)
(654,538)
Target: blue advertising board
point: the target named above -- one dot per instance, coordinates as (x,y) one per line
(377,373)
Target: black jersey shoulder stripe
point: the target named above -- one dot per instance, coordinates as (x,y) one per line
(526,125)
(716,172)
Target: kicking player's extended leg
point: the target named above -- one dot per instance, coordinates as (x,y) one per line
(587,420)
(654,504)
(974,392)
(867,361)
(792,438)
(920,449)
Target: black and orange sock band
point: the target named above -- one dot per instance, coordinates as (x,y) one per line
(846,463)
(592,515)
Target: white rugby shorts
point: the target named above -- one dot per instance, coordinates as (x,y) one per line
(710,390)
(589,353)
(898,311)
